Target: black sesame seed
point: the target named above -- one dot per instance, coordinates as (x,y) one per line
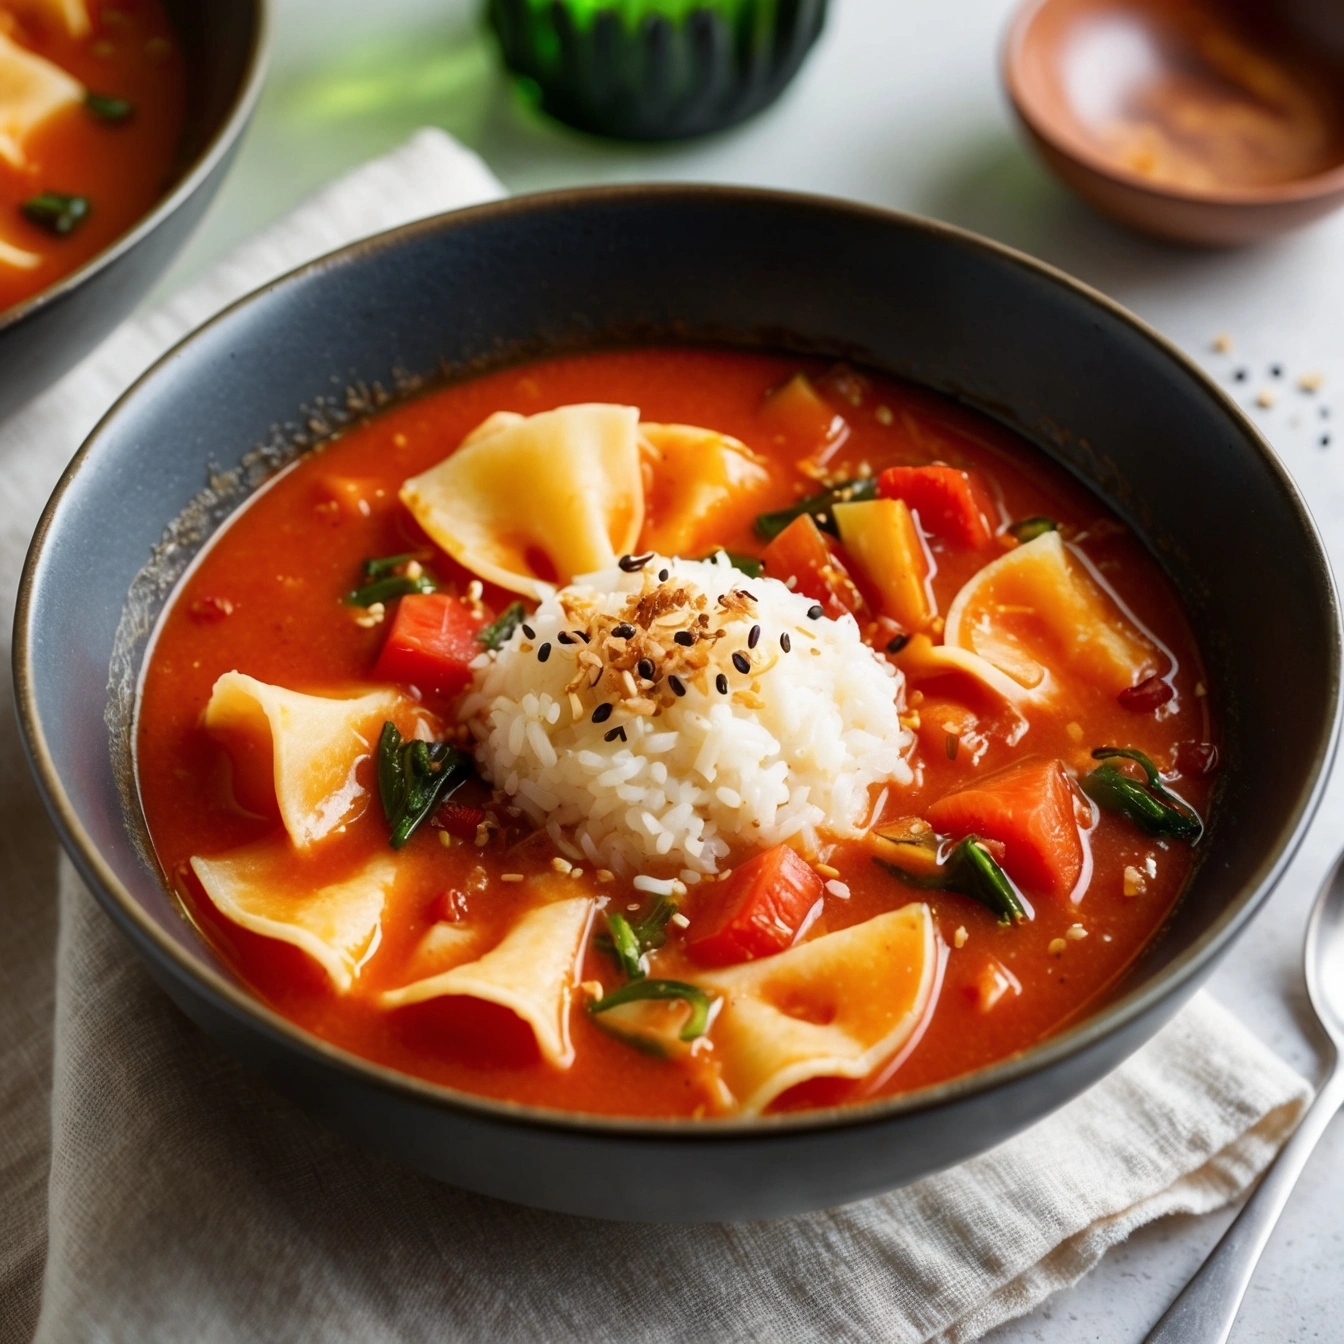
(721,684)
(674,682)
(565,637)
(815,612)
(684,638)
(623,631)
(755,637)
(742,663)
(785,642)
(1276,370)
(1240,375)
(897,642)
(543,653)
(663,575)
(751,597)
(645,668)
(614,735)
(529,632)
(602,713)
(631,563)
(1325,440)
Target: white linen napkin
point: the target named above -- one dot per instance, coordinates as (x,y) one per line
(153,1190)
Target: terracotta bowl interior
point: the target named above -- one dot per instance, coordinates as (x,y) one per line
(1092,77)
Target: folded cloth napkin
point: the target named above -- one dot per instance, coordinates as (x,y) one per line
(153,1190)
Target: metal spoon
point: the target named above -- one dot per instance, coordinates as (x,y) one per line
(1207,1306)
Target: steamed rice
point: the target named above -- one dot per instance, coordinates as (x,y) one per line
(792,749)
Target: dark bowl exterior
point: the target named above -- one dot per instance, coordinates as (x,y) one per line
(1098,392)
(43,337)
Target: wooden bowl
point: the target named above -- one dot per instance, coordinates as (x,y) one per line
(1204,121)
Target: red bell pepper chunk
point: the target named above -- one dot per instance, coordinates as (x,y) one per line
(1028,809)
(756,912)
(802,552)
(951,503)
(431,643)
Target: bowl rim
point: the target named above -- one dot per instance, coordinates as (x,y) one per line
(237,1002)
(206,161)
(1295,191)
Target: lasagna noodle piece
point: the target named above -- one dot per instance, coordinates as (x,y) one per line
(338,925)
(17,258)
(316,745)
(530,972)
(32,89)
(835,1007)
(1038,609)
(564,485)
(705,486)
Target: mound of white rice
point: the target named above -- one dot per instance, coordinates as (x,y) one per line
(643,749)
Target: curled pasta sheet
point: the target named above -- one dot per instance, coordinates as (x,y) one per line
(314,746)
(339,925)
(72,15)
(835,1007)
(703,487)
(1041,609)
(528,502)
(32,89)
(530,972)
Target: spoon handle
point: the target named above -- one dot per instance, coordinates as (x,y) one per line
(1208,1304)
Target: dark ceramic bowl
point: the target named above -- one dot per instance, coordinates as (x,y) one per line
(224,42)
(1097,391)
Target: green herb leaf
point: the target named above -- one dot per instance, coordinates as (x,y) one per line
(500,630)
(379,567)
(748,564)
(384,590)
(770,525)
(1152,807)
(109,108)
(628,943)
(56,212)
(971,871)
(414,778)
(696,999)
(1031,528)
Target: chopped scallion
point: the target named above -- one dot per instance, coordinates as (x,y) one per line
(636,990)
(56,212)
(393,586)
(971,871)
(747,564)
(628,943)
(379,567)
(1028,529)
(500,630)
(109,108)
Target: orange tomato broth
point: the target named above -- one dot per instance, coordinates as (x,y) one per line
(122,169)
(285,561)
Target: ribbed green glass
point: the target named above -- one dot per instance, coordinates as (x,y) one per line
(655,69)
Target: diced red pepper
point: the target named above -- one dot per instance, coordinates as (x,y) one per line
(1195,760)
(459,819)
(756,912)
(951,503)
(1150,694)
(431,643)
(803,553)
(1028,808)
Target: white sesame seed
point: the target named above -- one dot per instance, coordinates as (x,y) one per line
(445,840)
(959,938)
(605,875)
(561,865)
(474,590)
(1057,947)
(511,877)
(576,872)
(680,920)
(1075,933)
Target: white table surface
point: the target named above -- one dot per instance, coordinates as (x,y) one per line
(900,105)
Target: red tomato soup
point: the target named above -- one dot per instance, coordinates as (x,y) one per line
(92,97)
(677,732)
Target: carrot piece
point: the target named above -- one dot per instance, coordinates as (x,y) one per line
(951,503)
(342,497)
(757,911)
(802,553)
(797,414)
(1028,809)
(431,643)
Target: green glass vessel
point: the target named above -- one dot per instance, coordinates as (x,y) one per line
(655,69)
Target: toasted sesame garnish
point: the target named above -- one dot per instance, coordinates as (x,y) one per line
(1075,933)
(561,865)
(576,872)
(679,920)
(1222,343)
(1266,398)
(1135,883)
(605,875)
(591,989)
(482,835)
(960,936)
(678,887)
(1074,730)
(1201,690)
(883,415)
(1057,947)
(370,616)
(1311,382)
(511,877)
(826,870)
(445,840)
